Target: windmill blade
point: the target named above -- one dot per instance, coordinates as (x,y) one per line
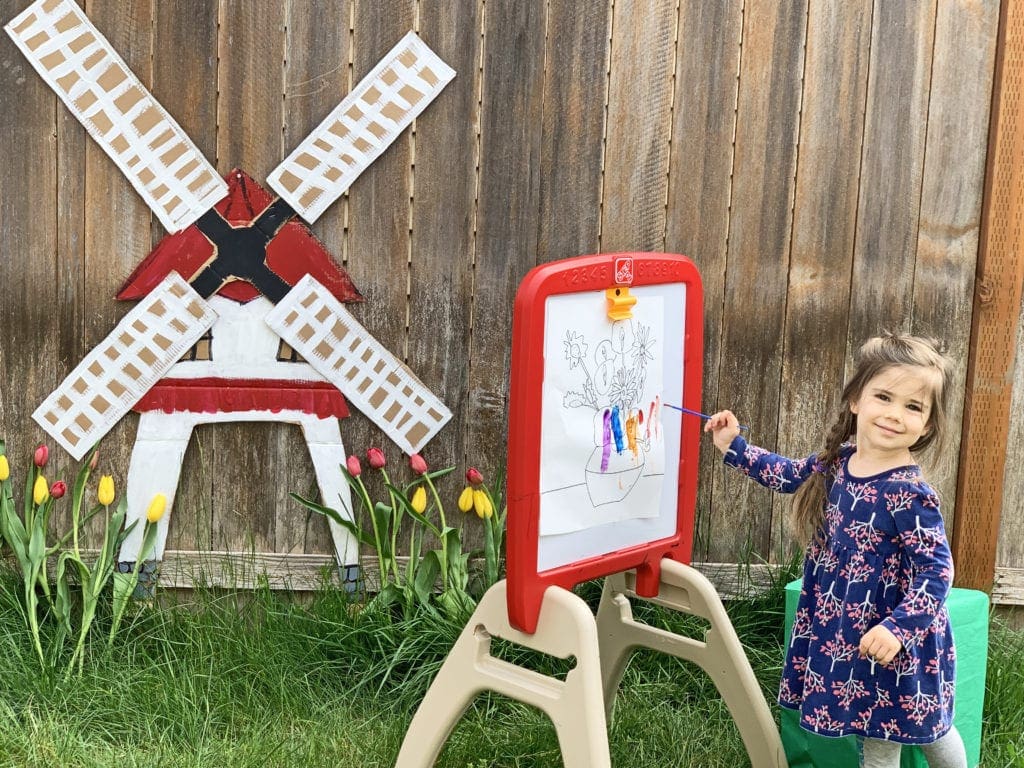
(319,328)
(152,150)
(361,127)
(122,368)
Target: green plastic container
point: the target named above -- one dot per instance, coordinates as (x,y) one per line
(968,615)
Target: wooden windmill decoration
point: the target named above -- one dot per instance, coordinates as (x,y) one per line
(240,314)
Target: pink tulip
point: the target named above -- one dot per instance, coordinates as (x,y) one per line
(354,467)
(375,456)
(42,456)
(473,476)
(58,489)
(94,461)
(418,464)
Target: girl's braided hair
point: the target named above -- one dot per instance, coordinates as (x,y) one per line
(874,357)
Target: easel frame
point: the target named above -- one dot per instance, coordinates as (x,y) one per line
(580,706)
(583,274)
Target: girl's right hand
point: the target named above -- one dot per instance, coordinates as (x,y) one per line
(724,427)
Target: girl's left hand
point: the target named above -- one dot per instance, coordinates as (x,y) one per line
(880,644)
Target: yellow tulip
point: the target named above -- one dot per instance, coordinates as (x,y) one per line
(419,500)
(482,504)
(5,468)
(466,499)
(105,492)
(41,490)
(156,508)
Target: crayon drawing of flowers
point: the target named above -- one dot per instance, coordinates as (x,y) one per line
(613,380)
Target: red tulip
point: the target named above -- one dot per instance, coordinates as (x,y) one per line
(473,476)
(94,461)
(418,464)
(354,467)
(42,456)
(58,489)
(375,456)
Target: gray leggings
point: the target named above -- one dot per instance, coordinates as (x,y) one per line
(946,752)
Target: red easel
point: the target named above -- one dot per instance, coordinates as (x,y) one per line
(536,607)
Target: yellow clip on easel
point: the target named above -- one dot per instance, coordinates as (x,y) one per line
(620,302)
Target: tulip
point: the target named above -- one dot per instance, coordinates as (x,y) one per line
(94,461)
(375,456)
(40,491)
(419,500)
(156,508)
(353,466)
(482,505)
(105,492)
(5,468)
(473,476)
(58,489)
(42,456)
(418,464)
(466,499)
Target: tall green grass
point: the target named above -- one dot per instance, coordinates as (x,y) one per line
(261,679)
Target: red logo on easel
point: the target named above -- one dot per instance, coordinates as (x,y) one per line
(624,270)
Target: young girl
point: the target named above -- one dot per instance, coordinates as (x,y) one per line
(871,652)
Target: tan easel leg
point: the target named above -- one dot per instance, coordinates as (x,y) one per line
(720,654)
(575,705)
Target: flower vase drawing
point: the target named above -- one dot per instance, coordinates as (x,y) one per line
(613,386)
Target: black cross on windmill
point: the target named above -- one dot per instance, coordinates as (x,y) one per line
(240,314)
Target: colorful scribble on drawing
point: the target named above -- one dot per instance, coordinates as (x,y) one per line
(613,387)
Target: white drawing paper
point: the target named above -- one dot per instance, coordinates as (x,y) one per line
(602,443)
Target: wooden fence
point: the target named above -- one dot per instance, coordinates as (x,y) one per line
(823,163)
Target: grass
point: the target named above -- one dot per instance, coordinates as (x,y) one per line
(260,679)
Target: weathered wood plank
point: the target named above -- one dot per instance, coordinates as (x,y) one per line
(700,183)
(891,169)
(768,115)
(575,92)
(1010,543)
(316,79)
(444,193)
(29,369)
(379,218)
(441,270)
(824,219)
(639,117)
(117,233)
(963,64)
(995,328)
(1008,588)
(184,81)
(506,237)
(247,458)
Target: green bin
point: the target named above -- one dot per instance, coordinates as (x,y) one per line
(968,615)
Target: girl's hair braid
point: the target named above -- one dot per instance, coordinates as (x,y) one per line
(810,498)
(877,355)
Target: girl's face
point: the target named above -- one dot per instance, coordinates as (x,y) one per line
(893,411)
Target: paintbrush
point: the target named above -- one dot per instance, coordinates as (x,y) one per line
(704,416)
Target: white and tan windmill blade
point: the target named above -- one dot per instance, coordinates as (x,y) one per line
(145,142)
(361,127)
(121,369)
(319,328)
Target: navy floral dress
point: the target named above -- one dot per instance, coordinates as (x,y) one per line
(885,559)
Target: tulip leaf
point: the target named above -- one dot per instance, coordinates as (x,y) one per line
(381,515)
(426,576)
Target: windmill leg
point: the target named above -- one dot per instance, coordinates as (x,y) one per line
(323,438)
(155,468)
